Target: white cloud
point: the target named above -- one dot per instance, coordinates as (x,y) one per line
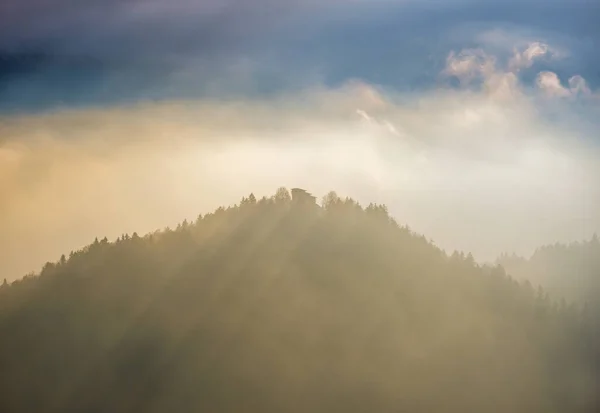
(476,66)
(551,85)
(470,64)
(527,57)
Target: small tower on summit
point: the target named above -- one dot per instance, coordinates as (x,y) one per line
(301,197)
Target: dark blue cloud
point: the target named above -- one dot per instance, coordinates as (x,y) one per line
(98,52)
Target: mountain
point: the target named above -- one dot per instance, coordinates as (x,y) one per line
(274,305)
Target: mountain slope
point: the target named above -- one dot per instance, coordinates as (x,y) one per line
(270,306)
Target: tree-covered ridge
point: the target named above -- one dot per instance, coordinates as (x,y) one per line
(571,270)
(272,306)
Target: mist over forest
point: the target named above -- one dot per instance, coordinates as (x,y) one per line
(333,206)
(282,304)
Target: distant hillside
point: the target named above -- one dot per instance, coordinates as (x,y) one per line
(570,271)
(276,306)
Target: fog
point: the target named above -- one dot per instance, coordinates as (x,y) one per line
(488,167)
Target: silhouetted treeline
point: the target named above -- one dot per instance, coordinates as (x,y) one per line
(269,306)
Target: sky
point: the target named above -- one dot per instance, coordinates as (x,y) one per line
(476,122)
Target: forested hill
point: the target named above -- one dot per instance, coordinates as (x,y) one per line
(571,271)
(273,306)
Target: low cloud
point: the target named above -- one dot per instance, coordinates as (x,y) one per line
(474,168)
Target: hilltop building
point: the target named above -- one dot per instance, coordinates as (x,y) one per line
(301,196)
